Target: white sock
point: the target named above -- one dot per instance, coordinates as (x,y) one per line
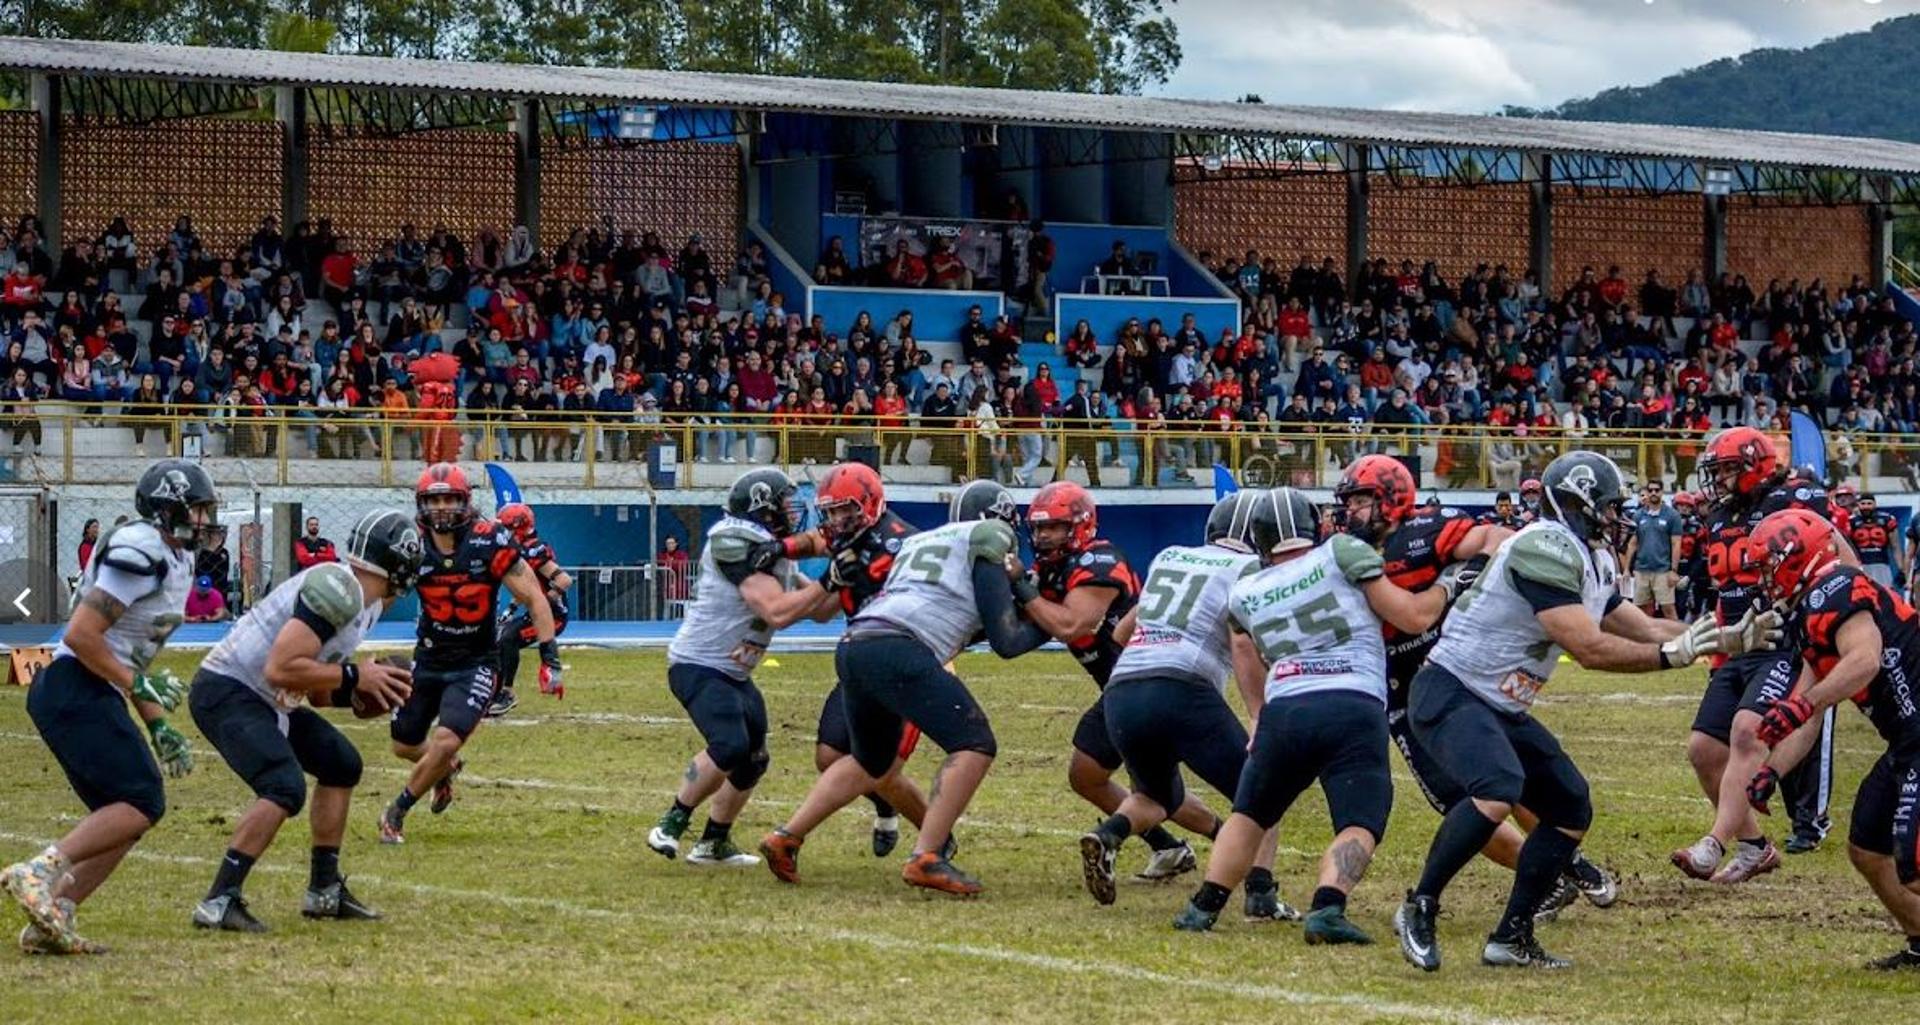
(889,824)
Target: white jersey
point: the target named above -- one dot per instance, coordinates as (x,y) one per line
(1312,624)
(1181,625)
(720,631)
(135,564)
(326,597)
(929,593)
(1493,640)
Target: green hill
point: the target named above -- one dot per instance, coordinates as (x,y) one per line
(1854,84)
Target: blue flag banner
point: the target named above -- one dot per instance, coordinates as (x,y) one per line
(506,490)
(1223,482)
(1809,445)
(809,519)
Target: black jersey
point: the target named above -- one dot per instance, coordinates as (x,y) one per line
(1729,524)
(1838,595)
(460,596)
(1415,553)
(877,545)
(1100,565)
(1512,521)
(1872,537)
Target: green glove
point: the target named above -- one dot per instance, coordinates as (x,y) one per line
(161,687)
(173,748)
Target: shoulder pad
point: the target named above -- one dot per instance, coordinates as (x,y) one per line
(481,528)
(1549,557)
(730,547)
(331,590)
(1357,560)
(135,547)
(990,539)
(1448,512)
(1833,589)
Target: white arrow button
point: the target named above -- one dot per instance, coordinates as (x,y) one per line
(19,601)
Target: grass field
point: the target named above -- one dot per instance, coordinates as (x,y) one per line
(535,897)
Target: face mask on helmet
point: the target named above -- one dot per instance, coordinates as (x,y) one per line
(1050,538)
(842,520)
(195,526)
(1359,514)
(444,512)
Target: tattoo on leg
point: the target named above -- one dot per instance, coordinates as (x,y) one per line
(939,776)
(693,772)
(1350,861)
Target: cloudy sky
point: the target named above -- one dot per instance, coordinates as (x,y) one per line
(1472,56)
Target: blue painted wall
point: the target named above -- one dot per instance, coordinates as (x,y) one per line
(1107,314)
(937,314)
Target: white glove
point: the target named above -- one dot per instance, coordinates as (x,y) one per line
(1702,637)
(1758,630)
(1456,579)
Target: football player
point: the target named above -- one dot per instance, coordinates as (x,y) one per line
(863,537)
(132,596)
(1530,499)
(947,585)
(1311,662)
(516,628)
(1082,589)
(456,661)
(746,591)
(294,648)
(1375,498)
(1504,515)
(1840,504)
(1853,637)
(1874,536)
(1165,703)
(1741,476)
(1696,591)
(1545,591)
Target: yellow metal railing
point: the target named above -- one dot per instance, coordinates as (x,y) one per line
(76,443)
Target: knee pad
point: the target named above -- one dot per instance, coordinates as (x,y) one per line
(345,770)
(730,750)
(1572,811)
(979,739)
(284,787)
(152,805)
(1503,787)
(747,776)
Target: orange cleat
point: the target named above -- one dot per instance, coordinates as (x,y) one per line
(933,872)
(782,853)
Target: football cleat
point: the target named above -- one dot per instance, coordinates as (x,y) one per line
(886,835)
(392,826)
(443,790)
(34,940)
(1413,922)
(1330,926)
(31,883)
(664,837)
(1803,842)
(228,913)
(1096,866)
(503,703)
(722,853)
(1598,885)
(932,872)
(1193,918)
(1904,959)
(1168,864)
(1524,952)
(1266,906)
(1749,860)
(1565,892)
(1700,859)
(336,901)
(782,853)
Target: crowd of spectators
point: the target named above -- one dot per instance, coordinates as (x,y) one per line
(615,328)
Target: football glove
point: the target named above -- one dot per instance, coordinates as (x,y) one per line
(160,687)
(845,568)
(551,679)
(1781,718)
(1701,638)
(1760,789)
(761,558)
(172,747)
(1455,579)
(1758,630)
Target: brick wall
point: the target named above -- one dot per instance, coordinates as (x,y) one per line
(224,173)
(19,150)
(369,187)
(1284,217)
(1456,228)
(1798,242)
(674,188)
(1635,231)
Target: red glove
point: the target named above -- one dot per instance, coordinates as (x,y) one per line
(1760,789)
(1782,718)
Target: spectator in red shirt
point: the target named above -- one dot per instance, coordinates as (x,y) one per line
(948,270)
(337,273)
(89,536)
(906,270)
(1045,387)
(1612,289)
(673,562)
(310,549)
(20,292)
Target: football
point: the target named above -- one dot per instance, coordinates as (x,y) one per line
(364,705)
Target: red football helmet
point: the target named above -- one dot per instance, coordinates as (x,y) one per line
(1845,496)
(518,519)
(850,499)
(1790,548)
(442,481)
(1685,500)
(1737,462)
(1061,503)
(1392,488)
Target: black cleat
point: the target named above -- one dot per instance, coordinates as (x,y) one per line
(1802,843)
(886,835)
(443,790)
(1904,959)
(336,901)
(1096,867)
(1520,952)
(1414,924)
(503,703)
(228,913)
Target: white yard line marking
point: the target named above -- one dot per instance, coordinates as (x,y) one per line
(882,941)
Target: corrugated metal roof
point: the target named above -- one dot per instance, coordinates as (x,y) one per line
(952,103)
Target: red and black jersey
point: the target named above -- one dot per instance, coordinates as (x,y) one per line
(1415,553)
(539,555)
(1872,537)
(877,545)
(1512,521)
(1100,565)
(1692,529)
(1727,528)
(1837,596)
(460,596)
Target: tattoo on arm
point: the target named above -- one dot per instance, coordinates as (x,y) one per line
(1350,860)
(108,607)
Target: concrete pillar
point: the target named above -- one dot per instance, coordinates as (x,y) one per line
(932,171)
(1713,259)
(1539,178)
(290,104)
(1357,160)
(1880,244)
(526,165)
(1141,178)
(47,104)
(1071,193)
